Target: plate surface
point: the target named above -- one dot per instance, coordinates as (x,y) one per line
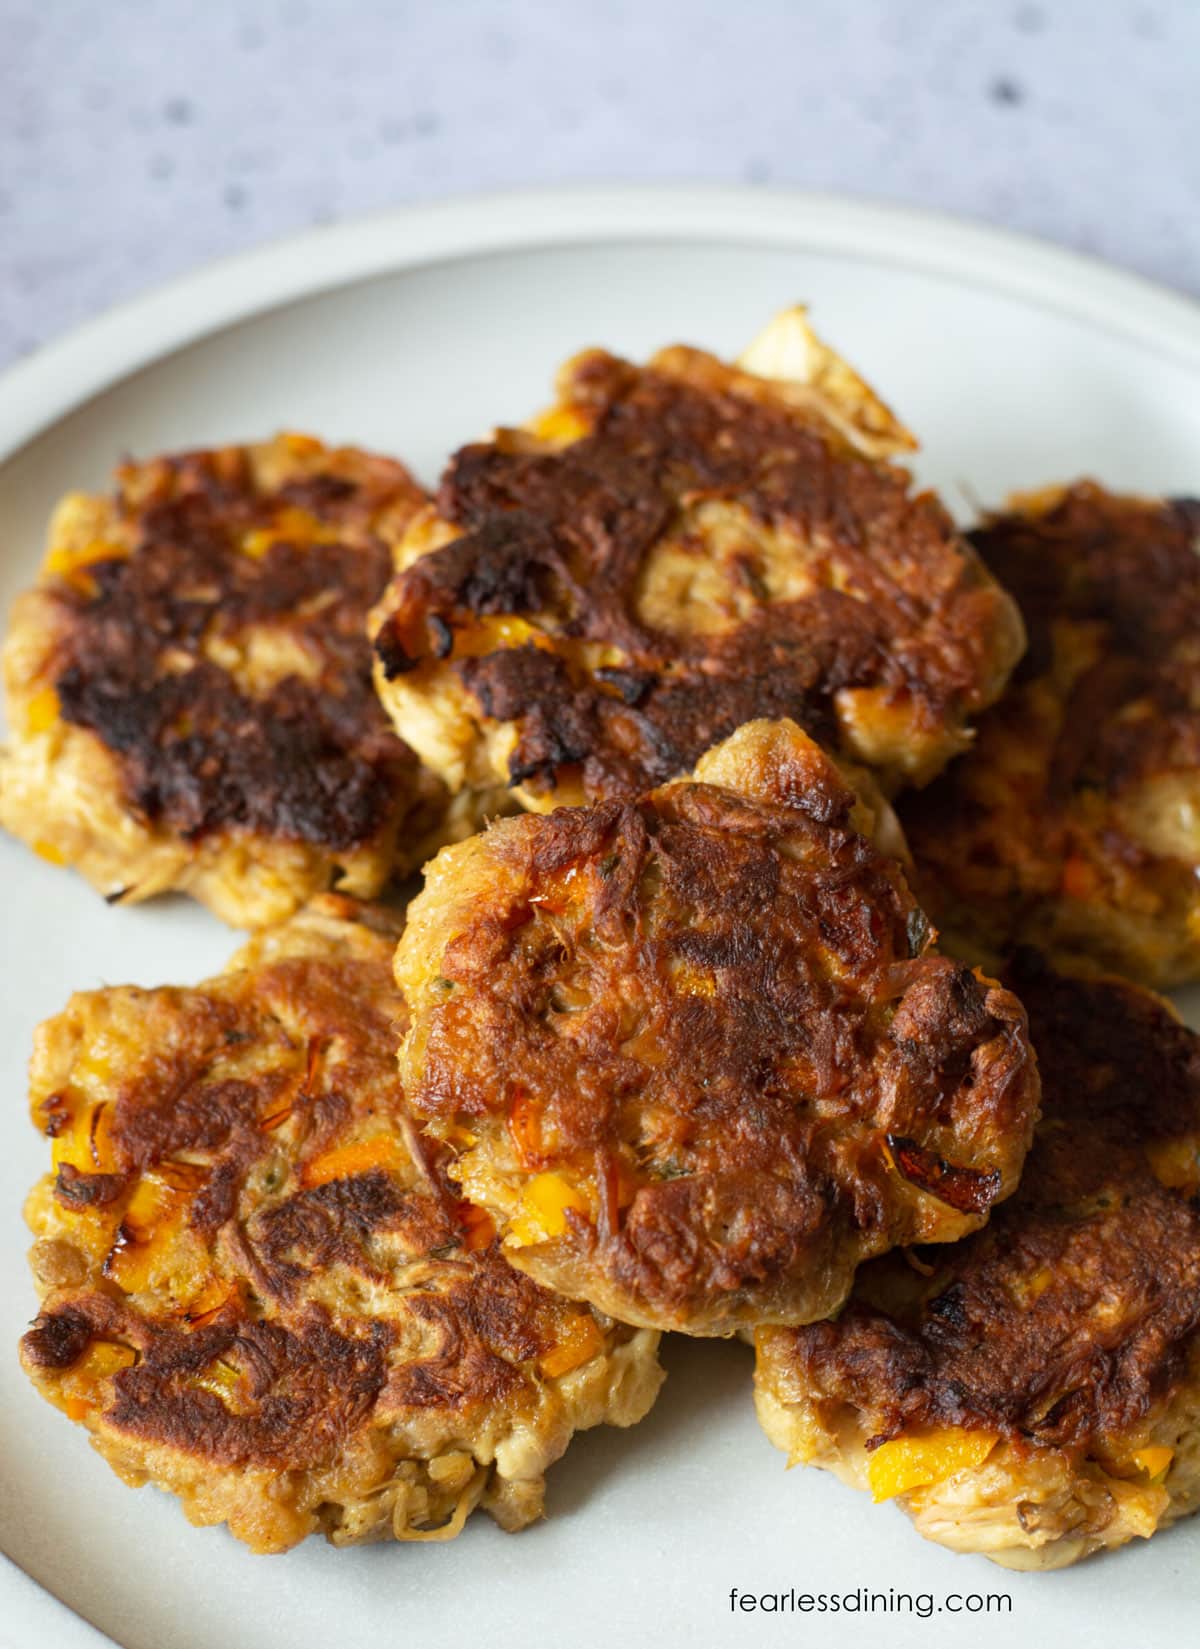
(1015,364)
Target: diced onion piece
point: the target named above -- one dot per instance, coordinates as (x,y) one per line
(220,1378)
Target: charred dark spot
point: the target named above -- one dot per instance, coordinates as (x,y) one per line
(215,1201)
(631,685)
(81,1190)
(917,928)
(57,1114)
(333,1224)
(57,1339)
(949,1307)
(392,655)
(310,760)
(320,495)
(556,732)
(308,1386)
(443,636)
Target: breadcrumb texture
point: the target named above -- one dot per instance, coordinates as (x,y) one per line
(189,684)
(694,1051)
(1074,822)
(676,549)
(1057,1352)
(260,1292)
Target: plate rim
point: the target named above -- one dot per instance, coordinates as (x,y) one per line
(27,1603)
(61,376)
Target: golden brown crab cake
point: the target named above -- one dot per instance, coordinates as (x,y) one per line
(1033,1393)
(259,1290)
(189,683)
(1074,822)
(695,1052)
(674,550)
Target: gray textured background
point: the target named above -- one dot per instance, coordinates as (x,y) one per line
(141,137)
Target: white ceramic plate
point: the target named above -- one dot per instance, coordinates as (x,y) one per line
(1016,364)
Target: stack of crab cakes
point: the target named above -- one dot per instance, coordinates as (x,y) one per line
(778,1001)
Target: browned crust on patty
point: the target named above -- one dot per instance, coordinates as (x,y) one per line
(894,602)
(305,1384)
(1130,566)
(1070,824)
(306,1308)
(312,759)
(713,1013)
(1073,1315)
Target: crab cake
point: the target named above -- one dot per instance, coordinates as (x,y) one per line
(1074,823)
(189,683)
(259,1291)
(1033,1393)
(694,1051)
(674,550)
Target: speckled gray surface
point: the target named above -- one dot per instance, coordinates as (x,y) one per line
(141,137)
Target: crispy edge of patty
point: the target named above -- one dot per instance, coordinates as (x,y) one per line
(1033,1393)
(1071,823)
(289,1321)
(666,1206)
(509,646)
(78,739)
